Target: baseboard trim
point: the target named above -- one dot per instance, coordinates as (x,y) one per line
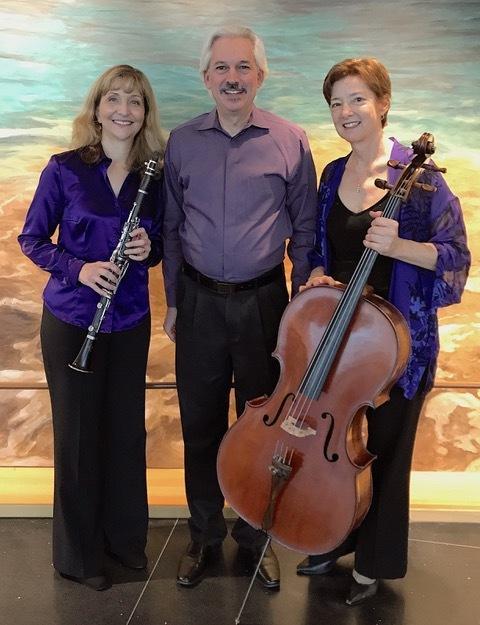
(435,496)
(417,515)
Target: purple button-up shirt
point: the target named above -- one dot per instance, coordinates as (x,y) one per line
(79,200)
(416,292)
(232,202)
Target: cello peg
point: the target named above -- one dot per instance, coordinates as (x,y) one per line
(396,164)
(425,187)
(382,184)
(430,167)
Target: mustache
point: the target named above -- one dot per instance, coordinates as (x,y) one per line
(232,85)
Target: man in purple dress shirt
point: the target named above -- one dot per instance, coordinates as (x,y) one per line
(239,183)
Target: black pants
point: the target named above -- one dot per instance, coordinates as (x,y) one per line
(381,542)
(218,336)
(100,492)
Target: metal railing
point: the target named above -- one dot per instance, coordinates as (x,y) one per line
(41,386)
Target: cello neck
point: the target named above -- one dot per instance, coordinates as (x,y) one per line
(317,372)
(319,367)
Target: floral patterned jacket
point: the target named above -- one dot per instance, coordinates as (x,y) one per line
(416,292)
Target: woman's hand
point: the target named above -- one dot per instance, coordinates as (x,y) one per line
(382,236)
(169,323)
(100,276)
(139,246)
(316,278)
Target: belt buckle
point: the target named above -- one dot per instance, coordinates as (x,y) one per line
(224,288)
(246,286)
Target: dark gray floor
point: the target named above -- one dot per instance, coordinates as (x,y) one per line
(442,586)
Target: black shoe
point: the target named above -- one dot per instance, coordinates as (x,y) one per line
(360,592)
(99,582)
(312,566)
(192,564)
(269,571)
(136,560)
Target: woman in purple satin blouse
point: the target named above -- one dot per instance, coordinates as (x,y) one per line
(423,264)
(86,194)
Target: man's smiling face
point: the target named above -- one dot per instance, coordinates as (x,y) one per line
(233,76)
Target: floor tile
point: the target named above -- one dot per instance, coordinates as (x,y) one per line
(441,586)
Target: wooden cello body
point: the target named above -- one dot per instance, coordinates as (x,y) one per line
(328,490)
(296,464)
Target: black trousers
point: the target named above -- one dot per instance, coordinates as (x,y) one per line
(381,542)
(217,337)
(100,496)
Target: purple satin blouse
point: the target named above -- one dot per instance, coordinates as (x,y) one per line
(78,199)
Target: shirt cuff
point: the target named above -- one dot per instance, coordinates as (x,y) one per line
(74,266)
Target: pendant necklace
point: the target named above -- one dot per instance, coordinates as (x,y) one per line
(358,188)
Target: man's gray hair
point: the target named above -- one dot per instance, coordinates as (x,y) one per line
(234,31)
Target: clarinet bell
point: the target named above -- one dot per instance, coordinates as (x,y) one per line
(82,361)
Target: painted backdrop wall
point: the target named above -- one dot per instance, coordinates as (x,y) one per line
(52,50)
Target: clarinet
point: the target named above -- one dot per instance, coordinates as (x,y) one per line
(81,362)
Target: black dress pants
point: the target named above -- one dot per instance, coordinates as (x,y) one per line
(219,336)
(100,496)
(381,542)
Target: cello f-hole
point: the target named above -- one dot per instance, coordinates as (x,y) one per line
(334,457)
(279,411)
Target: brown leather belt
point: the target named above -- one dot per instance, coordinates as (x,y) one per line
(227,288)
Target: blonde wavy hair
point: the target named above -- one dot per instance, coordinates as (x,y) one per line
(87,132)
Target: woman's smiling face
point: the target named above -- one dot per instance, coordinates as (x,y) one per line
(356,111)
(121,113)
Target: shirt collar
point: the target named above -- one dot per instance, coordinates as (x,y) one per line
(257,118)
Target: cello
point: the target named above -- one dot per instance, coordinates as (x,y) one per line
(296,464)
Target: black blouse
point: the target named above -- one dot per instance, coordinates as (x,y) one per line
(346,231)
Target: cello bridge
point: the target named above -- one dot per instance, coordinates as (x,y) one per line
(297,427)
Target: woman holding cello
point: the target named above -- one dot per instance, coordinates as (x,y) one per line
(423,264)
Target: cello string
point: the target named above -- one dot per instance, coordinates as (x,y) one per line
(340,322)
(299,407)
(310,387)
(291,457)
(323,353)
(351,296)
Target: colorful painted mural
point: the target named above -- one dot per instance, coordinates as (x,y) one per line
(52,50)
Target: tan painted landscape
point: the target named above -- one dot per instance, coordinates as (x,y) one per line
(449,432)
